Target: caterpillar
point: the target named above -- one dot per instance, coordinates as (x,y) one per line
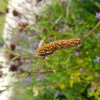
(49,48)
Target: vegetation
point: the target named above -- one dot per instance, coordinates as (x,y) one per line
(3,5)
(67,74)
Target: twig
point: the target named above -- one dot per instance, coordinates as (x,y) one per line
(37,72)
(90,32)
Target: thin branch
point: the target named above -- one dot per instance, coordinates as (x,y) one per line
(37,72)
(90,32)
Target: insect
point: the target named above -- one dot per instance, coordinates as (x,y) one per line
(49,48)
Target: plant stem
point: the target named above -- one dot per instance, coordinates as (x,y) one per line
(90,32)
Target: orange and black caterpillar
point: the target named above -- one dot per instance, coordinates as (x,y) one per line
(61,44)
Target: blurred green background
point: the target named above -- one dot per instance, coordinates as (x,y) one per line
(3,6)
(69,74)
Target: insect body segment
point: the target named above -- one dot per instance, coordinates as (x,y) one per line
(57,45)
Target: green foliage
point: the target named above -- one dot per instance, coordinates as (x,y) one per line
(71,73)
(3,5)
(74,70)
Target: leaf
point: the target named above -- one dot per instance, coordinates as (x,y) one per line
(35,91)
(89,78)
(71,83)
(61,86)
(76,74)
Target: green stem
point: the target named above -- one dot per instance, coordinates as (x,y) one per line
(90,32)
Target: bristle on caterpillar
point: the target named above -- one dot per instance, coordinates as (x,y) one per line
(57,45)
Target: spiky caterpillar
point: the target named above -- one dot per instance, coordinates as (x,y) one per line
(61,44)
